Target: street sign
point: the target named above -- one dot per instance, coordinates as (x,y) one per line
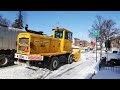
(96,33)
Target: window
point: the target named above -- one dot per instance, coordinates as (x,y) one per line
(71,36)
(24,43)
(68,35)
(58,34)
(23,40)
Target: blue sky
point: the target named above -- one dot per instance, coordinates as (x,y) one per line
(79,22)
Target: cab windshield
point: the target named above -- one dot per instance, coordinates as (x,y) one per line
(58,34)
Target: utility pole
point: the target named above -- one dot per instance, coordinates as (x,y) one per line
(56,22)
(96,34)
(96,49)
(101,49)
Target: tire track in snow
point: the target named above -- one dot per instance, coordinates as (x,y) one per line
(44,75)
(69,70)
(75,66)
(40,73)
(80,67)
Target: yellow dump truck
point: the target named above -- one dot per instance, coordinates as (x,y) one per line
(36,48)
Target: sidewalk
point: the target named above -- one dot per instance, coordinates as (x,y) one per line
(106,74)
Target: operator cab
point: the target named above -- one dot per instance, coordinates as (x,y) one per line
(62,33)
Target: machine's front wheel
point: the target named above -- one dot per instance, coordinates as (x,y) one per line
(70,59)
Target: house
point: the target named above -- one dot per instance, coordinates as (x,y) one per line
(76,42)
(115,44)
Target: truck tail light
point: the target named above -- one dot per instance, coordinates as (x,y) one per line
(16,43)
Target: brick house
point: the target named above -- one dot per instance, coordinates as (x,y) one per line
(85,43)
(76,42)
(115,43)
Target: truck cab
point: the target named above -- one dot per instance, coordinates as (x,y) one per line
(65,36)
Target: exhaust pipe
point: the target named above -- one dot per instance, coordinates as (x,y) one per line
(31,31)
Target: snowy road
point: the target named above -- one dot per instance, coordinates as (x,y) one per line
(83,69)
(77,70)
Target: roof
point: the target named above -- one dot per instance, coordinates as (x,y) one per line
(61,29)
(77,38)
(11,28)
(15,29)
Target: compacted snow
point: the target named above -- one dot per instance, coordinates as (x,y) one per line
(21,72)
(83,69)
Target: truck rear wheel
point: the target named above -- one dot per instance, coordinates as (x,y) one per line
(4,61)
(54,63)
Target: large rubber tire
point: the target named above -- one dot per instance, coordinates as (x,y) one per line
(4,61)
(54,63)
(70,59)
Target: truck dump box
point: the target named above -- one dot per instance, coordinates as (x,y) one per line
(8,37)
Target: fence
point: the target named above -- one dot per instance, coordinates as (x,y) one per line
(103,66)
(114,69)
(102,63)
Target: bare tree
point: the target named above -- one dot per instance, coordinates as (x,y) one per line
(106,28)
(4,21)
